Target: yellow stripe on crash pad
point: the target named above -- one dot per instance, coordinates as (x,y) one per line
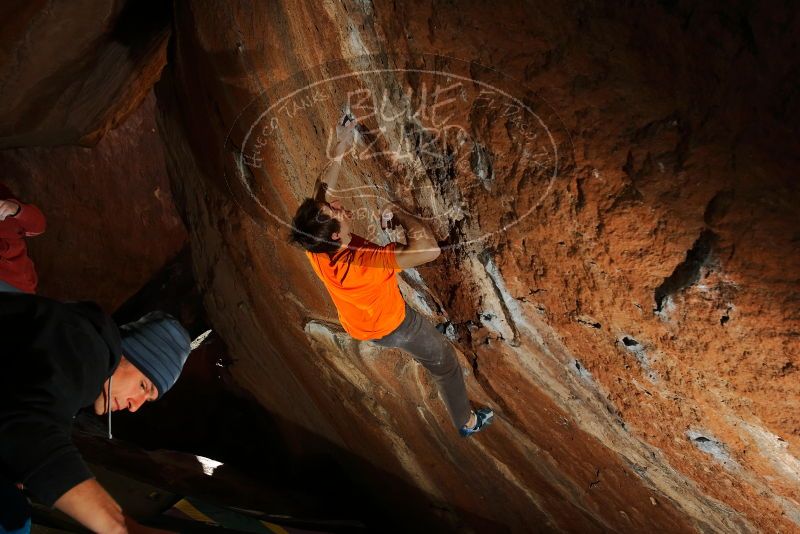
(277,529)
(188,508)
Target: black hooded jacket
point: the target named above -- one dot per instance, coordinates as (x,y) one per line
(54,359)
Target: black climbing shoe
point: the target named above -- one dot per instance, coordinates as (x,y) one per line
(484,418)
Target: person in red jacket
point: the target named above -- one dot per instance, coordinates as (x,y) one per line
(17,221)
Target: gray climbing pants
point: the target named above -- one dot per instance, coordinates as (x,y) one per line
(430,348)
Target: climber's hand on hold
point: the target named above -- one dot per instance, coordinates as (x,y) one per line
(325,184)
(390,215)
(346,134)
(420,246)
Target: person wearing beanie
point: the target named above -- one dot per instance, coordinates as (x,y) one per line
(57,358)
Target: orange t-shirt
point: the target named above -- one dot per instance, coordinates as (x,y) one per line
(362,281)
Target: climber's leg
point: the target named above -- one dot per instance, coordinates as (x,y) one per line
(430,348)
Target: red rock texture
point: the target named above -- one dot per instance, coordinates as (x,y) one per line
(636,332)
(70,71)
(111,221)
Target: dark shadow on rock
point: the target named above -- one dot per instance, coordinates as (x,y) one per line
(205,414)
(268,463)
(172,290)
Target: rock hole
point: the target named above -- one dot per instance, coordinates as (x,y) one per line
(688,271)
(727,317)
(588,321)
(629,341)
(596,481)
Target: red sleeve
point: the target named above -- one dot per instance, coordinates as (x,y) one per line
(31,219)
(28,222)
(11,229)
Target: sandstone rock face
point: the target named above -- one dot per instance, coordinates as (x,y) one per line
(111,221)
(70,71)
(616,202)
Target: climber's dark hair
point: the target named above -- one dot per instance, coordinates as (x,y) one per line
(312,229)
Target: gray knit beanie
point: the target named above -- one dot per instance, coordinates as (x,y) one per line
(158,345)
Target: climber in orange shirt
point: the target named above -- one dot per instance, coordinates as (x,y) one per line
(17,221)
(361,278)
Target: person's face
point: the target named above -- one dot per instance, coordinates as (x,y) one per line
(130,388)
(336,211)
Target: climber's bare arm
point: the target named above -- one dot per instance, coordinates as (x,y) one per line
(325,185)
(421,246)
